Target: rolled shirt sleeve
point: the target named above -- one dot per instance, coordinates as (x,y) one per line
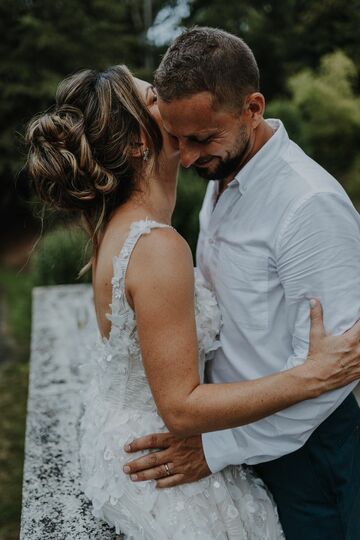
(318,255)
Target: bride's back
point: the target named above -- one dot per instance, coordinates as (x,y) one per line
(102,268)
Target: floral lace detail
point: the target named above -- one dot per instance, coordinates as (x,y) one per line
(119,407)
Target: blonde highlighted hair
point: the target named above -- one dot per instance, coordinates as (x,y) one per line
(81,151)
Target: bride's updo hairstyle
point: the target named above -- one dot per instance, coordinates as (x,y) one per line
(85,152)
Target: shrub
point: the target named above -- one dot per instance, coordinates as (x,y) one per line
(59,257)
(61,253)
(190,194)
(291,117)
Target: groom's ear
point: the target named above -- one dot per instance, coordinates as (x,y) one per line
(255,108)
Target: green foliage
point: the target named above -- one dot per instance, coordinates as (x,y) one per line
(13,395)
(331,111)
(291,117)
(323,116)
(17,291)
(59,258)
(352,181)
(285,36)
(16,288)
(190,193)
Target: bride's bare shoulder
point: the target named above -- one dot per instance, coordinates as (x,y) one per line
(162,241)
(160,255)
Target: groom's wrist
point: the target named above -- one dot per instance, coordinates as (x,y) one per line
(310,383)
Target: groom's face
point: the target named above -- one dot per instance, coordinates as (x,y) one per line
(215,141)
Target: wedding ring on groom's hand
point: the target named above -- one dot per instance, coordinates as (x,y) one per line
(167,469)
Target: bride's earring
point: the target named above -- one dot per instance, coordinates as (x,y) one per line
(145,154)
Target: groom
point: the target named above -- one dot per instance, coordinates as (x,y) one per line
(275,230)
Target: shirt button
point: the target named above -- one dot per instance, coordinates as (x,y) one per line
(211,241)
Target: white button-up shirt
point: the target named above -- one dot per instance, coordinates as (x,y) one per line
(282,232)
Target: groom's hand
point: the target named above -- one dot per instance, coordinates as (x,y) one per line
(175,461)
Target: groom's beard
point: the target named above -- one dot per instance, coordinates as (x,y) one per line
(228,166)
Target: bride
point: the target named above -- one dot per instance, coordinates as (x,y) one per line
(101,152)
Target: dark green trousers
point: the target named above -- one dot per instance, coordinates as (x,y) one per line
(317,488)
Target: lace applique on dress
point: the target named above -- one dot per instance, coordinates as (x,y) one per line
(233,504)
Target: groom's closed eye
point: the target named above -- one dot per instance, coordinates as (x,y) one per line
(205,141)
(193,139)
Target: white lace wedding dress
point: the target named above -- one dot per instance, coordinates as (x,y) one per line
(119,406)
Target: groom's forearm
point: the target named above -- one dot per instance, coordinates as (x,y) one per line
(272,437)
(211,407)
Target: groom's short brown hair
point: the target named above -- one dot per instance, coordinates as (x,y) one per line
(206,59)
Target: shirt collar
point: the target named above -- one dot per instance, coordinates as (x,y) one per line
(260,161)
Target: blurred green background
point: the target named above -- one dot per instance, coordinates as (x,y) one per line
(309,58)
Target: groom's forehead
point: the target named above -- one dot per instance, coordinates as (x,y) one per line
(193,104)
(189,116)
(188,129)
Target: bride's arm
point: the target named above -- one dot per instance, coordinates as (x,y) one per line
(160,286)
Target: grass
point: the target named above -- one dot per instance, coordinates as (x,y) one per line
(13,398)
(17,289)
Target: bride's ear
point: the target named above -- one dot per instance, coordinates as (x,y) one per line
(141,148)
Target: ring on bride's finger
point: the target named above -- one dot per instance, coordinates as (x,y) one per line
(167,469)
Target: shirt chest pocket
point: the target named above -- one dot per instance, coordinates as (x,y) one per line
(242,283)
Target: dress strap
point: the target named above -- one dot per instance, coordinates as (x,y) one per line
(119,306)
(136,230)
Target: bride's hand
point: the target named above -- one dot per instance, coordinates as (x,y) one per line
(334,360)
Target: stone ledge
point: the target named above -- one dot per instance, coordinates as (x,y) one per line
(53,504)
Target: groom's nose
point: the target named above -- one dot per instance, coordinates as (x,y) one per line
(188,154)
